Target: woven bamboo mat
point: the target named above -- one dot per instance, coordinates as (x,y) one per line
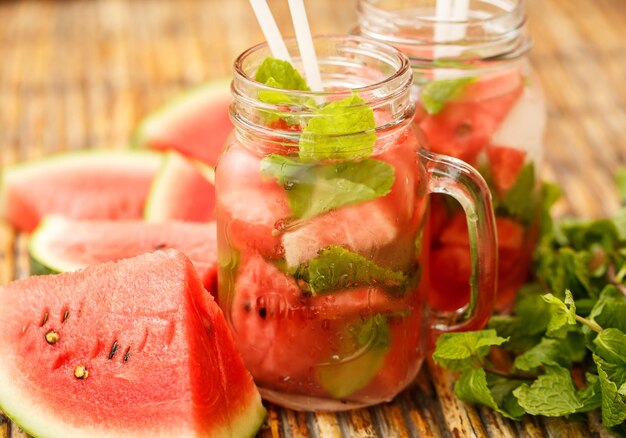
(80,74)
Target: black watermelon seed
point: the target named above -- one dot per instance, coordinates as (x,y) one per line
(126,355)
(113,350)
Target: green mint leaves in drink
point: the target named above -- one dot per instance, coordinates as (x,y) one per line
(313,189)
(567,333)
(520,201)
(279,74)
(343,129)
(338,268)
(435,94)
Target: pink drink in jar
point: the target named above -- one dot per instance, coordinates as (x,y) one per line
(321,211)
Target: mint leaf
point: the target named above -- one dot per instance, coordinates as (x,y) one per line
(613,404)
(610,310)
(520,201)
(562,313)
(561,352)
(528,323)
(552,394)
(364,354)
(550,194)
(337,268)
(313,189)
(591,396)
(280,74)
(472,387)
(435,94)
(460,351)
(340,130)
(610,345)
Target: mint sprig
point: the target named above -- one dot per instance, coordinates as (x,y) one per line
(313,189)
(580,324)
(338,268)
(343,129)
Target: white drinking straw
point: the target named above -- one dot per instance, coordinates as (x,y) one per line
(270,29)
(305,44)
(446,13)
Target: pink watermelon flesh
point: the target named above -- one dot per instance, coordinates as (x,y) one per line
(159,357)
(464,126)
(251,206)
(80,185)
(282,334)
(195,124)
(66,245)
(181,191)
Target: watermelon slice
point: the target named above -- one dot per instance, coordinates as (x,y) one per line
(103,184)
(134,348)
(196,123)
(282,332)
(182,190)
(360,227)
(506,163)
(465,125)
(61,245)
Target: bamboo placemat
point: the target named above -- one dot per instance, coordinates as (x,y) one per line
(81,74)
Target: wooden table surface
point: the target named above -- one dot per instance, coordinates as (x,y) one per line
(80,74)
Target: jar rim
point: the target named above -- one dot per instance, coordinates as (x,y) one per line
(392,53)
(378,73)
(494,29)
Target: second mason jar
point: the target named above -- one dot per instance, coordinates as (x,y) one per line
(477,100)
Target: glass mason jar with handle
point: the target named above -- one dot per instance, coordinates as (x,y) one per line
(477,100)
(322,199)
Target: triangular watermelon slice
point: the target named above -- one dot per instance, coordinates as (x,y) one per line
(127,349)
(97,184)
(182,190)
(62,245)
(195,123)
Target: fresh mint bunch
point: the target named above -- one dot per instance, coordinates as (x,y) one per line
(571,323)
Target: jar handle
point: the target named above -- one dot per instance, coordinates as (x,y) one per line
(453,177)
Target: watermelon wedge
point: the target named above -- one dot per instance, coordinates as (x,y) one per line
(62,245)
(196,123)
(134,348)
(182,190)
(100,184)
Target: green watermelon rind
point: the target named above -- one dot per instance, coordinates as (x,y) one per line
(44,260)
(242,426)
(253,424)
(155,209)
(187,99)
(246,426)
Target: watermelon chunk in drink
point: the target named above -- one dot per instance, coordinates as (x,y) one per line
(494,123)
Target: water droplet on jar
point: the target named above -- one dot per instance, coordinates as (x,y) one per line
(289,184)
(280,225)
(325,324)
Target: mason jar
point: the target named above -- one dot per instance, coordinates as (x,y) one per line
(477,99)
(322,200)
